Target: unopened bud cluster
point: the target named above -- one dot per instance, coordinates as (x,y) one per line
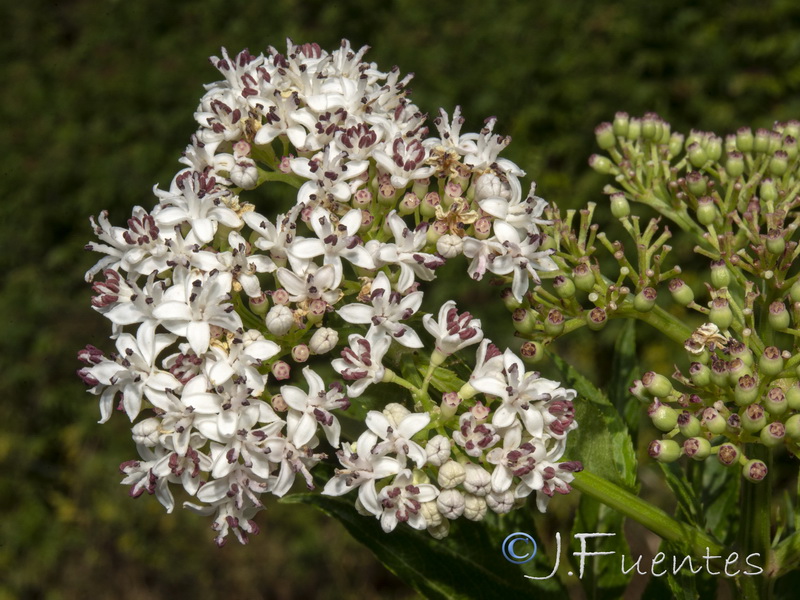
(218,304)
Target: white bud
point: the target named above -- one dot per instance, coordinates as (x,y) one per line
(478,480)
(449,245)
(146,432)
(279,319)
(490,186)
(244,174)
(440,531)
(451,474)
(431,513)
(501,502)
(450,503)
(474,507)
(438,450)
(395,412)
(323,340)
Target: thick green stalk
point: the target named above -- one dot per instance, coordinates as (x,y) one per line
(755,501)
(655,519)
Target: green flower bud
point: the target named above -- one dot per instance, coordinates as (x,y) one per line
(681,293)
(583,277)
(634,129)
(657,385)
(620,124)
(554,323)
(697,183)
(619,205)
(316,311)
(767,191)
(645,300)
(744,139)
(776,243)
(792,427)
(791,129)
(260,304)
(697,156)
(794,291)
(734,166)
(700,374)
(524,320)
(604,134)
(772,435)
(720,275)
(719,373)
(793,397)
(602,165)
(754,470)
(734,425)
(697,448)
(753,418)
(665,451)
(790,146)
(770,363)
(408,204)
(596,319)
(775,402)
(736,370)
(713,148)
(737,349)
(429,203)
(713,421)
(778,163)
(706,211)
(510,302)
(746,390)
(664,417)
(728,454)
(721,314)
(761,140)
(564,287)
(532,352)
(779,318)
(688,424)
(675,144)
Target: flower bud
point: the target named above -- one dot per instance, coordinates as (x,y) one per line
(362,198)
(279,320)
(450,503)
(565,288)
(754,470)
(281,370)
(431,514)
(772,435)
(779,318)
(602,165)
(767,191)
(507,296)
(260,304)
(280,296)
(449,245)
(323,341)
(438,450)
(761,140)
(664,417)
(596,319)
(637,390)
(451,474)
(721,314)
(746,390)
(728,454)
(450,403)
(770,363)
(645,300)
(278,403)
(478,481)
(719,373)
(675,143)
(736,370)
(524,320)
(620,124)
(656,384)
(706,211)
(147,432)
(793,397)
(583,277)
(720,275)
(697,184)
(619,205)
(554,323)
(440,531)
(734,166)
(713,421)
(744,139)
(408,204)
(429,204)
(734,425)
(778,163)
(737,349)
(604,134)
(696,155)
(700,374)
(300,353)
(244,174)
(500,502)
(792,427)
(688,424)
(474,507)
(532,352)
(775,243)
(681,293)
(482,228)
(634,128)
(665,451)
(775,401)
(697,448)
(753,418)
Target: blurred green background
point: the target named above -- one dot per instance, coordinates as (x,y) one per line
(97,107)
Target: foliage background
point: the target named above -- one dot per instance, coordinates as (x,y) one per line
(97,107)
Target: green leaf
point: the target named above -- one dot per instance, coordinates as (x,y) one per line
(688,501)
(468,565)
(720,489)
(445,380)
(624,368)
(601,441)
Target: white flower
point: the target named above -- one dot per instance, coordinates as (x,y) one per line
(327,173)
(474,436)
(406,252)
(361,362)
(322,283)
(521,256)
(404,160)
(397,433)
(241,360)
(453,331)
(401,502)
(388,309)
(308,409)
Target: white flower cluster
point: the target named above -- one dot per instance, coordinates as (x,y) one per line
(211,303)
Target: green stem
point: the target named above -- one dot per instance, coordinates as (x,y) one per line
(655,519)
(755,502)
(669,325)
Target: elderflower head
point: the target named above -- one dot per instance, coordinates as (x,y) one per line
(216,298)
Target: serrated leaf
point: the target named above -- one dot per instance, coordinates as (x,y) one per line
(688,501)
(444,380)
(462,568)
(601,441)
